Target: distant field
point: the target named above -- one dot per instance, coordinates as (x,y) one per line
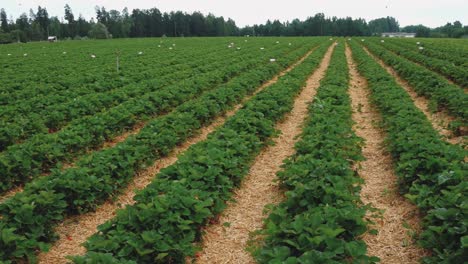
(83,124)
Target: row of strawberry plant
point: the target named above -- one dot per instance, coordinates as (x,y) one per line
(68,75)
(146,62)
(133,69)
(426,82)
(430,51)
(24,122)
(180,62)
(166,222)
(322,218)
(22,162)
(457,74)
(29,217)
(39,75)
(452,46)
(431,172)
(46,71)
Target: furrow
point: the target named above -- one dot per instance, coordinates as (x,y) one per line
(42,153)
(394,242)
(189,193)
(440,120)
(75,230)
(231,233)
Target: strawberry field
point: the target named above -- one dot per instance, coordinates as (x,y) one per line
(135,150)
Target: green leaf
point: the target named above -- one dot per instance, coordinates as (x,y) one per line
(8,235)
(356,249)
(161,256)
(464,241)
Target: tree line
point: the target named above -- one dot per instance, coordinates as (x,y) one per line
(449,30)
(38,25)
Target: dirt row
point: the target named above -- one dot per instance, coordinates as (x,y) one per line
(393,243)
(226,240)
(108,144)
(440,120)
(422,65)
(75,230)
(231,234)
(397,220)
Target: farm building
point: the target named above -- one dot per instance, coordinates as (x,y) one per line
(52,39)
(398,35)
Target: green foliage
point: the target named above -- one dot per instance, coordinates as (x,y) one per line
(432,173)
(102,174)
(427,83)
(420,30)
(93,124)
(165,223)
(5,38)
(450,30)
(18,36)
(322,217)
(3,22)
(452,51)
(457,74)
(317,25)
(48,119)
(384,24)
(98,31)
(154,23)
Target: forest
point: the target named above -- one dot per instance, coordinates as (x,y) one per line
(38,25)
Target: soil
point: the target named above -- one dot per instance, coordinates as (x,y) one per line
(75,230)
(398,218)
(440,120)
(226,240)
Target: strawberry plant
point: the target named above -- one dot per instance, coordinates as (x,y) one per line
(443,51)
(23,162)
(426,83)
(165,223)
(457,74)
(102,174)
(322,218)
(27,118)
(432,173)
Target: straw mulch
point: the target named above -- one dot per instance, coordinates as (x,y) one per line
(226,240)
(75,230)
(399,218)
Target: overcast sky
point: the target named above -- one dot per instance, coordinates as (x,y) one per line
(431,13)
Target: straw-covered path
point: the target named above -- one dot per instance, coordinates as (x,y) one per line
(226,240)
(107,144)
(440,120)
(398,218)
(75,230)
